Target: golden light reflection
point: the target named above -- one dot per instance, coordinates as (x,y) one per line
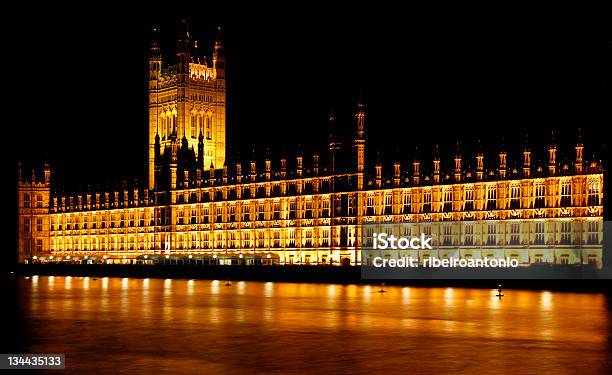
(546,301)
(190,286)
(214,286)
(241,287)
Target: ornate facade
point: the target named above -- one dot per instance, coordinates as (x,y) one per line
(304,210)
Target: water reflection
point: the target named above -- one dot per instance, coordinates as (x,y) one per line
(243,327)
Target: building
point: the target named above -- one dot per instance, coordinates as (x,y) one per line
(305,210)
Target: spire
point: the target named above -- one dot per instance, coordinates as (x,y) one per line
(360,119)
(458,163)
(219,55)
(479,162)
(183,37)
(436,163)
(579,153)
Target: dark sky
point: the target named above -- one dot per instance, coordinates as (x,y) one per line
(427,76)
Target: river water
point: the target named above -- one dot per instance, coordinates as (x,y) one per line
(126,326)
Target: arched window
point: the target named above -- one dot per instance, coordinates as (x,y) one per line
(193,128)
(208,127)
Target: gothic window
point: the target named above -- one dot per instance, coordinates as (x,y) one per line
(26,200)
(593,193)
(427,201)
(492,197)
(515,233)
(539,195)
(593,231)
(566,227)
(448,200)
(407,199)
(539,233)
(370,205)
(515,196)
(566,193)
(468,234)
(208,127)
(469,199)
(388,204)
(491,234)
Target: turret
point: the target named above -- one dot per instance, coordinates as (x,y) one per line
(359,143)
(479,163)
(458,164)
(155,58)
(253,169)
(526,158)
(219,56)
(378,168)
(416,169)
(299,162)
(436,166)
(552,156)
(268,166)
(578,162)
(334,143)
(396,173)
(502,161)
(183,48)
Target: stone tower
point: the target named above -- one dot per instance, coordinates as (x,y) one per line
(33,195)
(188,98)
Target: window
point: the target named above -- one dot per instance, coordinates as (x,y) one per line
(39,225)
(566,232)
(39,201)
(308,209)
(370,205)
(468,234)
(448,200)
(326,208)
(407,199)
(447,239)
(593,193)
(491,197)
(515,196)
(427,201)
(26,200)
(491,234)
(261,211)
(566,193)
(539,195)
(593,233)
(539,233)
(219,211)
(26,224)
(208,127)
(39,245)
(388,204)
(515,233)
(469,199)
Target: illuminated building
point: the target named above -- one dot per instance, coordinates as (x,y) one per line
(196,209)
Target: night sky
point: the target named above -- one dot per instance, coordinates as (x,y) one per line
(427,76)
